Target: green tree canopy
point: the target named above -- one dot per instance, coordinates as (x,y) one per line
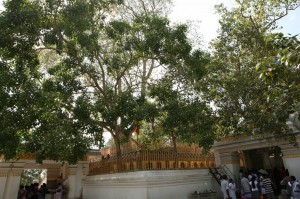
(29,175)
(87,66)
(243,102)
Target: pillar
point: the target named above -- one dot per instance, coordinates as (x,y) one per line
(11,181)
(4,170)
(75,175)
(247,161)
(231,160)
(217,158)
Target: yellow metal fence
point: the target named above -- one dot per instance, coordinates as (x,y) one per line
(151,160)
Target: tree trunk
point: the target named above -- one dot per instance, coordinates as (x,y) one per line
(118,153)
(175,150)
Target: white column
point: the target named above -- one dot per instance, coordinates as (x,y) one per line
(75,175)
(13,180)
(4,170)
(232,161)
(217,158)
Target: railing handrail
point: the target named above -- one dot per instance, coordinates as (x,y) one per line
(214,175)
(227,171)
(151,159)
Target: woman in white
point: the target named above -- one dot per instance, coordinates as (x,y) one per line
(232,189)
(295,188)
(254,188)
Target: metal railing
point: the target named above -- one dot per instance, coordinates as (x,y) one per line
(219,171)
(151,160)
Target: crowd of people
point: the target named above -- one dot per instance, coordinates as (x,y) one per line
(34,191)
(262,184)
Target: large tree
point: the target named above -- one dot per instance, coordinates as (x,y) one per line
(184,115)
(243,102)
(90,63)
(282,72)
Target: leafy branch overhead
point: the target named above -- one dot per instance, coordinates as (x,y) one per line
(72,70)
(83,68)
(244,102)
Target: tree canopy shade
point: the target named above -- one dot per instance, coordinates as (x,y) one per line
(74,69)
(282,72)
(184,115)
(243,102)
(71,70)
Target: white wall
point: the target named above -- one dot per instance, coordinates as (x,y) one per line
(292,164)
(169,184)
(3,179)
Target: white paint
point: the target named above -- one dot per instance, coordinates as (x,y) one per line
(11,186)
(74,181)
(292,164)
(3,180)
(168,184)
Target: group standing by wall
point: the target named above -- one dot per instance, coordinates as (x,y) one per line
(262,184)
(34,191)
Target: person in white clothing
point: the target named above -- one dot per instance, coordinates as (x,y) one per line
(254,188)
(224,187)
(295,185)
(232,189)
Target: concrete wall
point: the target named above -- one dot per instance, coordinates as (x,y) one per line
(169,184)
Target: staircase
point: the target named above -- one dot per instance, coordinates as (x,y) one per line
(219,171)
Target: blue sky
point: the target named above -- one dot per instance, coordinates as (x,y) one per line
(291,23)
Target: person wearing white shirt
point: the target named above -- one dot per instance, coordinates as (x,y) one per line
(295,185)
(254,188)
(224,187)
(232,189)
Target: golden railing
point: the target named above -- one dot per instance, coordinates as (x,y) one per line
(32,156)
(151,160)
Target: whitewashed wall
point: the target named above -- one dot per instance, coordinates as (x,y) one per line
(168,184)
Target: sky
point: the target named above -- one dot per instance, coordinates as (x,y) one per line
(202,13)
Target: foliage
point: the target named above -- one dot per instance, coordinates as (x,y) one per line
(242,102)
(151,136)
(18,71)
(184,115)
(282,71)
(87,66)
(29,175)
